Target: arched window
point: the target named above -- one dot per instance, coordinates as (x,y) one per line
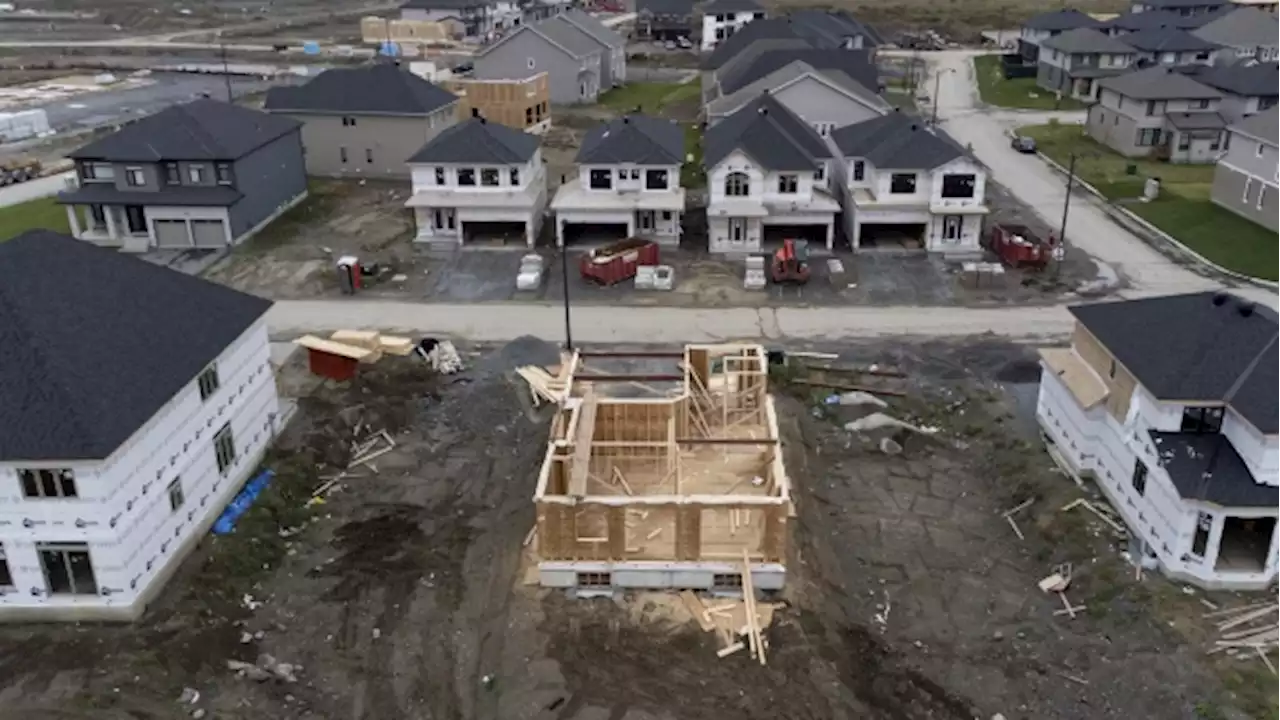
(737,184)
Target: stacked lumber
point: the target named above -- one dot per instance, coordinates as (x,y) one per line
(1249,631)
(730,621)
(366,346)
(547,384)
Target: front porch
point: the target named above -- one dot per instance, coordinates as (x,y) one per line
(458,217)
(944,229)
(746,226)
(117,226)
(593,215)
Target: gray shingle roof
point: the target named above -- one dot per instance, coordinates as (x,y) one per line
(770,134)
(1241,27)
(731,6)
(1196,120)
(1260,126)
(1185,3)
(199,130)
(1086,40)
(379,89)
(1247,78)
(787,74)
(1157,19)
(443,4)
(593,27)
(897,141)
(573,39)
(857,64)
(637,139)
(1186,347)
(1187,457)
(1167,39)
(665,7)
(1158,83)
(87,359)
(478,141)
(820,29)
(1058,20)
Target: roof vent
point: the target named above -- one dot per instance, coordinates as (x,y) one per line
(1245,308)
(475,112)
(626,120)
(483,121)
(1220,299)
(914,127)
(763,110)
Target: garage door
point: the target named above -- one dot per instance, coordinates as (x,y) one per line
(209,233)
(171,233)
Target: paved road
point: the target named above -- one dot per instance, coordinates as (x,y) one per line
(33,189)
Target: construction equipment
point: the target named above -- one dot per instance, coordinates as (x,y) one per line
(791,263)
(18,169)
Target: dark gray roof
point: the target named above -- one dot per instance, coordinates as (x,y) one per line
(1167,39)
(597,30)
(1260,126)
(1058,20)
(897,141)
(1185,3)
(93,343)
(665,7)
(478,141)
(444,4)
(379,89)
(199,130)
(1246,78)
(1132,22)
(731,6)
(108,194)
(819,28)
(769,133)
(1086,40)
(857,64)
(1206,467)
(1196,120)
(637,139)
(1193,348)
(1158,83)
(561,32)
(1241,27)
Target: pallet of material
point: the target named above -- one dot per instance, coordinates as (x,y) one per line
(729,621)
(373,340)
(544,385)
(354,352)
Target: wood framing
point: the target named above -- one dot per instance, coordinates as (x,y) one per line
(692,477)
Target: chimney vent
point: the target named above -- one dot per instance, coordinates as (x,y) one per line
(475,112)
(1245,308)
(1220,299)
(626,120)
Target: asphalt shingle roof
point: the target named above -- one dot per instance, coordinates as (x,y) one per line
(443,4)
(379,89)
(665,7)
(637,139)
(897,141)
(478,141)
(1086,40)
(1058,20)
(857,64)
(593,27)
(1196,120)
(1241,27)
(784,75)
(1158,83)
(731,6)
(559,31)
(1167,39)
(1246,78)
(94,342)
(1132,22)
(770,134)
(180,195)
(198,130)
(1185,3)
(1206,467)
(1194,347)
(820,29)
(1262,126)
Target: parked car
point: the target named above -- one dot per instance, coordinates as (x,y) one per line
(1024,144)
(684,42)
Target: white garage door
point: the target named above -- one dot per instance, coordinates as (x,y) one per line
(172,233)
(209,233)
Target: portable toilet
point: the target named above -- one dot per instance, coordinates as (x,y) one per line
(311,47)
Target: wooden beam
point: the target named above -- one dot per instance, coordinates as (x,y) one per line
(717,500)
(626,354)
(586,426)
(587,377)
(726,441)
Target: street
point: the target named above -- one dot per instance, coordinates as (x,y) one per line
(33,189)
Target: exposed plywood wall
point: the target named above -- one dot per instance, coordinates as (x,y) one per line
(518,104)
(1119,381)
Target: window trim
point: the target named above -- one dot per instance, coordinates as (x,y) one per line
(601,174)
(177,496)
(737,184)
(64,549)
(915,183)
(467,177)
(172,173)
(135,176)
(222,173)
(60,479)
(1140,475)
(196,174)
(208,382)
(859,170)
(490,173)
(653,173)
(440,177)
(788,184)
(6,573)
(224,449)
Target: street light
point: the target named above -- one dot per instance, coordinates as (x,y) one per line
(937,85)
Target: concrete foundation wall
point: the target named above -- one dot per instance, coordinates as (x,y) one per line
(659,575)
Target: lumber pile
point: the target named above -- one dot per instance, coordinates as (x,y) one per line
(1248,632)
(737,624)
(366,346)
(547,384)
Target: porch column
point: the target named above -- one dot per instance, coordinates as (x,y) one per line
(559,232)
(90,223)
(528,232)
(831,234)
(73,221)
(109,213)
(855,242)
(1215,542)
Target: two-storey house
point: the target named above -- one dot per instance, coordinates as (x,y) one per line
(475,19)
(825,99)
(613,47)
(1186,8)
(1247,87)
(135,401)
(479,181)
(1157,112)
(573,61)
(1047,25)
(627,183)
(664,20)
(906,185)
(1131,22)
(1169,404)
(1170,46)
(205,174)
(1072,61)
(722,18)
(1243,33)
(364,121)
(768,179)
(1244,180)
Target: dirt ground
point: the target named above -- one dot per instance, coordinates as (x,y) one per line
(402,594)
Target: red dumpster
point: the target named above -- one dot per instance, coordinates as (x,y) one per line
(617,262)
(1019,247)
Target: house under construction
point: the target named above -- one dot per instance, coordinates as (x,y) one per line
(670,491)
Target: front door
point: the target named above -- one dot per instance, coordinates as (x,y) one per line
(737,232)
(952,227)
(445,219)
(135,219)
(645,219)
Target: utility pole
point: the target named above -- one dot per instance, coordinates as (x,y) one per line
(564,287)
(226,70)
(1066,208)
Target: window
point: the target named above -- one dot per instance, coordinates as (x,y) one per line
(89,171)
(48,483)
(176,496)
(1200,541)
(1201,420)
(859,170)
(666,216)
(1140,478)
(655,179)
(820,174)
(348,122)
(635,173)
(528,116)
(1258,151)
(1248,185)
(171,174)
(737,184)
(440,176)
(1111,369)
(600,179)
(6,577)
(489,177)
(952,226)
(726,581)
(958,186)
(1202,104)
(1266,103)
(1216,143)
(208,382)
(1155,107)
(1262,194)
(902,184)
(67,569)
(196,174)
(342,155)
(368,155)
(467,177)
(1148,137)
(1203,55)
(1184,141)
(135,177)
(787,184)
(224,448)
(530,63)
(515,176)
(222,172)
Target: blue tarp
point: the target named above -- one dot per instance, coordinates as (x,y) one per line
(311,47)
(242,502)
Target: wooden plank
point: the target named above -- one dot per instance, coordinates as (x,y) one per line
(696,609)
(689,533)
(582,444)
(311,342)
(617,518)
(749,598)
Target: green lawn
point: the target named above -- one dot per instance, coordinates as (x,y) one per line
(691,173)
(1183,209)
(996,90)
(651,97)
(900,98)
(42,213)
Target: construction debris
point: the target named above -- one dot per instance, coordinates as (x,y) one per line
(1247,632)
(1104,514)
(549,385)
(1058,582)
(441,355)
(1008,516)
(738,624)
